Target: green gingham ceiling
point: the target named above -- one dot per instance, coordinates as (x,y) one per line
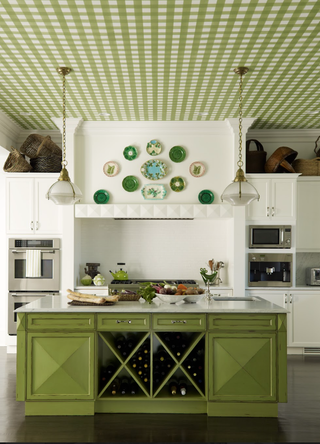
(160,60)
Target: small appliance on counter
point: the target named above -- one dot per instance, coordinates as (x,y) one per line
(312,276)
(92,269)
(270,270)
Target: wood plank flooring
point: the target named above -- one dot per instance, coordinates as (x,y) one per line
(298,421)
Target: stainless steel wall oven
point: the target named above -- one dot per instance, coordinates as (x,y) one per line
(34,272)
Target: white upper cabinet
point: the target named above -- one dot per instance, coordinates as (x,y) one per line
(28,211)
(277,197)
(308,213)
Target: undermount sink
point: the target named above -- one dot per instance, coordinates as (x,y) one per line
(234,298)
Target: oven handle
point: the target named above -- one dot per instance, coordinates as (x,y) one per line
(42,251)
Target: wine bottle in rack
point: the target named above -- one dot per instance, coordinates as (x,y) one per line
(131,341)
(133,387)
(182,386)
(119,341)
(157,378)
(115,386)
(145,347)
(103,375)
(124,386)
(110,369)
(173,387)
(145,377)
(161,354)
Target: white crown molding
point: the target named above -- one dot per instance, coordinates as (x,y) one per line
(284,136)
(156,128)
(72,124)
(246,123)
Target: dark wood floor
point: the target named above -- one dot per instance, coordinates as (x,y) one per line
(298,421)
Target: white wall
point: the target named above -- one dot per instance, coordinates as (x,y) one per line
(207,142)
(3,253)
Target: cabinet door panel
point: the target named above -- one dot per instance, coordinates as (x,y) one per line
(48,219)
(60,366)
(242,367)
(283,199)
(20,206)
(260,209)
(307,213)
(305,309)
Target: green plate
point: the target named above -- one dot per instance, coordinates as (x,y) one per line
(130,183)
(101,197)
(130,153)
(177,154)
(206,197)
(177,184)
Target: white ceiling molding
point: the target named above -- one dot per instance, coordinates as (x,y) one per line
(9,132)
(284,136)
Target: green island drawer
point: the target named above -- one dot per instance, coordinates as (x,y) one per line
(187,322)
(236,322)
(126,322)
(57,321)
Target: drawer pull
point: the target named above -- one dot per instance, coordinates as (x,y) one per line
(178,322)
(128,321)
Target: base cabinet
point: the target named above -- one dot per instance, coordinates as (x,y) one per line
(220,365)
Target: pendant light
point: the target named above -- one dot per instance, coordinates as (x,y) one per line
(240,192)
(64,192)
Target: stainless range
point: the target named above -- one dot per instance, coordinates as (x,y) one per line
(34,272)
(135,284)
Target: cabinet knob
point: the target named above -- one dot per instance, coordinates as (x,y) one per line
(37,225)
(268,211)
(31,225)
(272,211)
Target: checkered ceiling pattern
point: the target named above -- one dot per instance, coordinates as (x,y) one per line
(160,60)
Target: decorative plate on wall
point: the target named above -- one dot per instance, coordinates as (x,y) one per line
(177,184)
(130,153)
(206,197)
(111,169)
(197,169)
(130,183)
(154,169)
(177,154)
(153,192)
(154,148)
(101,197)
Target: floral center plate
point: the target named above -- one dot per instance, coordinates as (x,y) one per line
(197,169)
(177,184)
(130,183)
(154,148)
(177,154)
(130,153)
(101,197)
(154,169)
(153,192)
(111,169)
(206,197)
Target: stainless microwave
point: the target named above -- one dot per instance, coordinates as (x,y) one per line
(270,236)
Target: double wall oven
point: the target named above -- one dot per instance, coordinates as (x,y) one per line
(34,272)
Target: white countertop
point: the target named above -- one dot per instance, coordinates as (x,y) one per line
(59,304)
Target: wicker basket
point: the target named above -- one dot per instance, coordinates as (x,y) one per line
(129,297)
(255,160)
(46,164)
(16,163)
(36,145)
(48,147)
(307,167)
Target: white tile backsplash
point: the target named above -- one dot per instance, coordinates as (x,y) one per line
(305,260)
(158,249)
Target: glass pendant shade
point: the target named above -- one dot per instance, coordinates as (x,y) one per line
(239,193)
(64,192)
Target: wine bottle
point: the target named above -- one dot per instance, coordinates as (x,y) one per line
(182,387)
(115,386)
(173,387)
(133,387)
(103,375)
(110,369)
(119,341)
(161,353)
(145,347)
(131,340)
(157,378)
(134,362)
(124,387)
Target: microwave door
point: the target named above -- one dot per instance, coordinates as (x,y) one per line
(265,237)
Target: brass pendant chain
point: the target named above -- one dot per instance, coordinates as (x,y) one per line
(240,162)
(64,162)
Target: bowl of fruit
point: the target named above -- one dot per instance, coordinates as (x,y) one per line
(169,294)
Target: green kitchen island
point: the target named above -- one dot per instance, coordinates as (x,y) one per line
(239,347)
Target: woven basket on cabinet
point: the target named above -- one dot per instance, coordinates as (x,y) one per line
(16,163)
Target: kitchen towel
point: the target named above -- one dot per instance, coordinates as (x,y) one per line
(33,263)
